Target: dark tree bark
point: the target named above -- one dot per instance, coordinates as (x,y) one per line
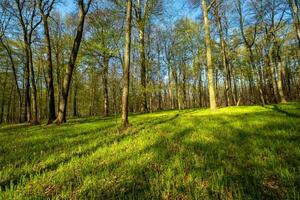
(8,112)
(159,78)
(83,9)
(29,24)
(177,100)
(141,29)
(3,96)
(12,63)
(34,90)
(59,55)
(45,10)
(105,85)
(75,105)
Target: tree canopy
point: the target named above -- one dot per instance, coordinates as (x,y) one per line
(165,55)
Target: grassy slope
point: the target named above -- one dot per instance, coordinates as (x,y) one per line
(232,153)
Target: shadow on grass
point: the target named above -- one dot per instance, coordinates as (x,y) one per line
(53,147)
(58,149)
(224,161)
(11,128)
(240,164)
(277,109)
(72,121)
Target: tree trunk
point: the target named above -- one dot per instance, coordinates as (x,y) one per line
(227,81)
(58,77)
(27,114)
(105,85)
(184,95)
(9,53)
(75,109)
(27,89)
(159,79)
(58,55)
(51,100)
(126,70)
(8,116)
(61,117)
(170,87)
(210,69)
(34,119)
(280,79)
(295,12)
(200,90)
(273,77)
(3,96)
(235,92)
(143,65)
(177,100)
(257,76)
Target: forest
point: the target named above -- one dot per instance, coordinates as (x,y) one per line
(149,99)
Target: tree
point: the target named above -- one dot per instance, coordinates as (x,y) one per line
(246,54)
(280,71)
(4,21)
(29,23)
(126,68)
(83,10)
(210,68)
(143,11)
(294,6)
(273,24)
(225,62)
(249,37)
(45,8)
(105,29)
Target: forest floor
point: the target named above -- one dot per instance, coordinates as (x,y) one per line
(248,152)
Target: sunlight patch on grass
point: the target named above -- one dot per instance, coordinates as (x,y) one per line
(248,152)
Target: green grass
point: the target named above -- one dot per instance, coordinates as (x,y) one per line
(232,153)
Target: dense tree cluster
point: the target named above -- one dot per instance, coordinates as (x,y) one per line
(116,57)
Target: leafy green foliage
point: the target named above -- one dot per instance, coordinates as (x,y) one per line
(232,153)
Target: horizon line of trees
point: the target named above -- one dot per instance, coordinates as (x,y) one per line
(119,57)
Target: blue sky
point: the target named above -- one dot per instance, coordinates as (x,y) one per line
(174,9)
(66,6)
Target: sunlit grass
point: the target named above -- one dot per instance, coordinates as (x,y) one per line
(232,153)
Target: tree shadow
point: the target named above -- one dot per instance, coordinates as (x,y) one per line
(197,161)
(11,128)
(234,160)
(276,108)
